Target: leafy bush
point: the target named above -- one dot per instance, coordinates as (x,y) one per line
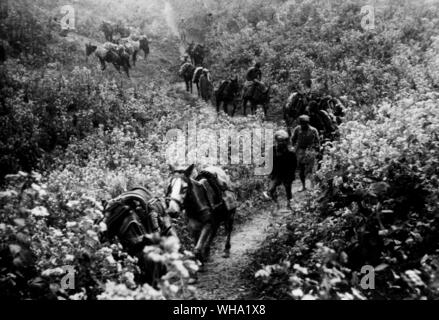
(42,238)
(299,39)
(376,205)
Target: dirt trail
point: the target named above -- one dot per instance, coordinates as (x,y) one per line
(222,278)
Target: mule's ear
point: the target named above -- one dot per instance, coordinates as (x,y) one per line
(188,171)
(171,168)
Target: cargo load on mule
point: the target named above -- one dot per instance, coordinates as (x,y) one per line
(137,219)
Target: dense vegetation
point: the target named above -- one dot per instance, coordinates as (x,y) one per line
(92,135)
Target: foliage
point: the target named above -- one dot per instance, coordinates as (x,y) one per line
(296,40)
(95,135)
(376,205)
(60,237)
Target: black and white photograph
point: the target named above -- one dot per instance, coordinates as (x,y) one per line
(239,152)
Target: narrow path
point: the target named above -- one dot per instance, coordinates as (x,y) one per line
(222,277)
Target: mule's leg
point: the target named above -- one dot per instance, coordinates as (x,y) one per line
(200,248)
(225,107)
(196,236)
(265,106)
(103,65)
(244,107)
(229,229)
(198,89)
(234,108)
(218,106)
(134,58)
(117,67)
(187,85)
(210,240)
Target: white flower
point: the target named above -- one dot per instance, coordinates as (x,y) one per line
(345,296)
(72,204)
(308,297)
(78,296)
(53,272)
(262,274)
(173,288)
(110,260)
(181,269)
(39,212)
(300,269)
(102,227)
(7,194)
(191,265)
(297,293)
(71,224)
(56,232)
(171,244)
(35,187)
(92,234)
(154,256)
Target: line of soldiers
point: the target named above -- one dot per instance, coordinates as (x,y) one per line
(313,119)
(298,151)
(326,112)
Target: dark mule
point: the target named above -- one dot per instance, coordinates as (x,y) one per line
(256,94)
(206,86)
(196,78)
(144,45)
(134,44)
(111,29)
(187,73)
(295,106)
(197,55)
(137,219)
(122,31)
(226,94)
(202,200)
(108,29)
(334,107)
(2,51)
(111,53)
(190,51)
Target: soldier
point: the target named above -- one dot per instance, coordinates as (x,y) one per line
(306,144)
(284,167)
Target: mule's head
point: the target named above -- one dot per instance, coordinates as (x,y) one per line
(178,189)
(89,49)
(234,85)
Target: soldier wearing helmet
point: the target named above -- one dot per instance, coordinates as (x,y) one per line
(306,143)
(254,73)
(284,167)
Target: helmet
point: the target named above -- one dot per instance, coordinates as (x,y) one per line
(304,119)
(281,135)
